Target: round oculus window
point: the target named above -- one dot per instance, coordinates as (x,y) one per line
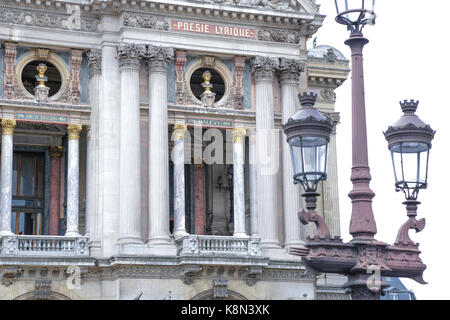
(30,72)
(218,84)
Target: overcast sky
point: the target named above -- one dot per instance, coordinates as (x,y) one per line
(408,57)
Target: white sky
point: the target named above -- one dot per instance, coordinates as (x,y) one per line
(407,58)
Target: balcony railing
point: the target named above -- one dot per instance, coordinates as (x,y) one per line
(202,245)
(44,246)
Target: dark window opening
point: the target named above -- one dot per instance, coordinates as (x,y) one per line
(216,80)
(29,77)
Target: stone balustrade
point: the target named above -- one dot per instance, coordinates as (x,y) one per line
(45,246)
(205,245)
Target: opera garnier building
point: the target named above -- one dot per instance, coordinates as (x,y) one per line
(142,152)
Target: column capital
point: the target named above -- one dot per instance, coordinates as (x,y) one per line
(8,126)
(178,131)
(56,151)
(159,58)
(238,134)
(263,67)
(94,57)
(130,54)
(74,131)
(289,70)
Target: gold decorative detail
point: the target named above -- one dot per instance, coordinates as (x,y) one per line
(74,131)
(8,126)
(238,134)
(56,151)
(41,78)
(178,131)
(207,77)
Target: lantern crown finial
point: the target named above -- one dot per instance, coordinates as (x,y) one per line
(409,107)
(307,99)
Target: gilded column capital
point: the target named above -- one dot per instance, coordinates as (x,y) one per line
(263,67)
(289,70)
(238,135)
(74,131)
(159,58)
(56,151)
(179,131)
(8,126)
(94,57)
(130,54)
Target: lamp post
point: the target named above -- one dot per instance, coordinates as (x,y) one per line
(364,259)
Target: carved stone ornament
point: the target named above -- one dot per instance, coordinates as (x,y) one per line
(330,56)
(238,97)
(71,19)
(279,36)
(144,21)
(180,62)
(76,57)
(220,288)
(263,67)
(159,58)
(43,289)
(290,69)
(94,57)
(130,54)
(9,78)
(190,273)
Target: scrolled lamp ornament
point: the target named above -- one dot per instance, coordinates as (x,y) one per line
(355,14)
(409,141)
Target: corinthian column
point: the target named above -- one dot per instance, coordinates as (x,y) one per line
(159,59)
(238,182)
(179,225)
(73,180)
(289,74)
(6,176)
(129,55)
(266,155)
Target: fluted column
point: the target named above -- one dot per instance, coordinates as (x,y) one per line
(266,155)
(179,228)
(55,178)
(252,183)
(73,179)
(6,176)
(289,74)
(238,182)
(129,55)
(159,59)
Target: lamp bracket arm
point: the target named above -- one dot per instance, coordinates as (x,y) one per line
(322,231)
(403,233)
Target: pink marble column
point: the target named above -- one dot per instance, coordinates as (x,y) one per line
(199,199)
(55,170)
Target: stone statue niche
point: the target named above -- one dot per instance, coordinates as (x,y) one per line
(41,90)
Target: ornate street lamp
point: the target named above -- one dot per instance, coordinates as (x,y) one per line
(364,259)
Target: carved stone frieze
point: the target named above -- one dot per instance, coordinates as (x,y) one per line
(69,20)
(370,256)
(94,57)
(145,21)
(279,36)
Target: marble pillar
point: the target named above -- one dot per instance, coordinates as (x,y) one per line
(179,223)
(73,179)
(130,56)
(289,74)
(252,183)
(55,188)
(158,61)
(238,182)
(266,155)
(94,57)
(199,199)
(6,176)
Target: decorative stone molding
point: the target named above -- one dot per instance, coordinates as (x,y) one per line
(253,273)
(74,131)
(238,97)
(180,63)
(190,273)
(130,55)
(9,60)
(264,67)
(220,288)
(290,69)
(279,36)
(94,57)
(145,21)
(76,56)
(42,289)
(8,126)
(70,20)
